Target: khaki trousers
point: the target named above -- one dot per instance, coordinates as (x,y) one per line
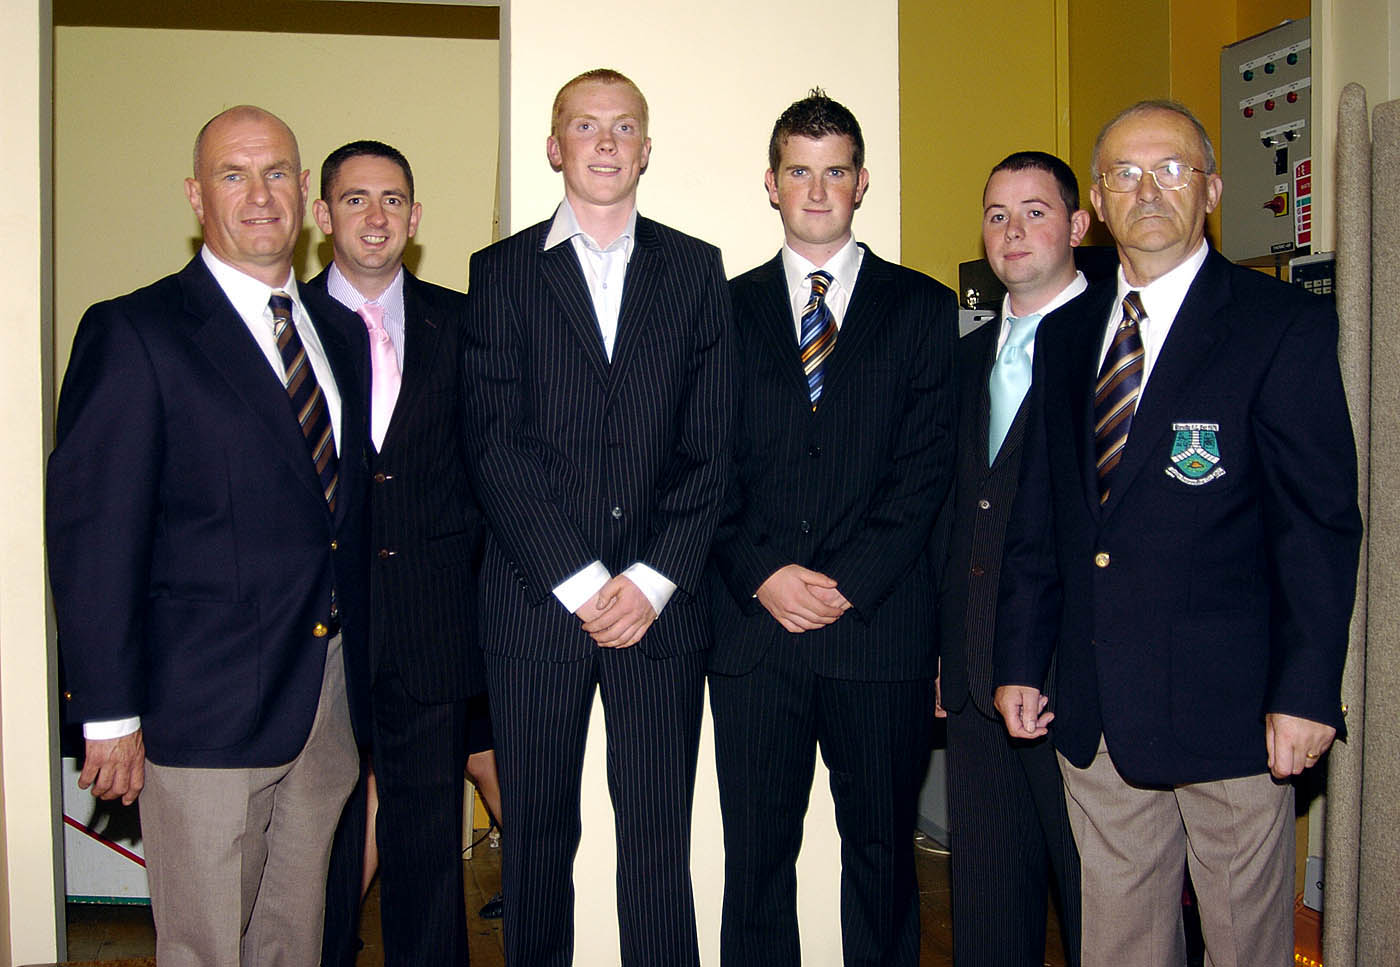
(1236,835)
(237,857)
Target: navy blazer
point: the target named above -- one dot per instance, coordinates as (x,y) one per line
(575,458)
(1197,599)
(191,551)
(424,526)
(851,488)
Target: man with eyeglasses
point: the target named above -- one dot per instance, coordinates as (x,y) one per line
(1184,544)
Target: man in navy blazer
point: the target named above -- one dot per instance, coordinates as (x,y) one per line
(825,632)
(428,703)
(599,403)
(1184,542)
(205,551)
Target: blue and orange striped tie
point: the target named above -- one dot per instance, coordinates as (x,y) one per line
(818,334)
(1116,392)
(308,402)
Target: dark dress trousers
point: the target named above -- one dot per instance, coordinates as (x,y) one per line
(1006,806)
(197,570)
(1181,613)
(576,458)
(849,489)
(425,536)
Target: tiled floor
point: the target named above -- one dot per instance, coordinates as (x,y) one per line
(112,934)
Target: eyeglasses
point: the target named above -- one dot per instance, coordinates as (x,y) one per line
(1172,176)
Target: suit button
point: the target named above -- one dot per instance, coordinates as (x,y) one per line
(385,553)
(335,545)
(805,527)
(1101,559)
(814,451)
(379,478)
(977,572)
(984,505)
(320,630)
(68,697)
(617,513)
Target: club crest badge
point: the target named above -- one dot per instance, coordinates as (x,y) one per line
(1195,456)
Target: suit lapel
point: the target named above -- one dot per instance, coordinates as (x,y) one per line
(1195,332)
(564,278)
(772,319)
(865,311)
(421,338)
(223,338)
(1085,341)
(645,270)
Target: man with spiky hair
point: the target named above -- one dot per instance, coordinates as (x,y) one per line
(822,592)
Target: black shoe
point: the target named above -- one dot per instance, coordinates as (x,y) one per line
(491,910)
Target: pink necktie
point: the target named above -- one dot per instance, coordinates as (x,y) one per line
(384,389)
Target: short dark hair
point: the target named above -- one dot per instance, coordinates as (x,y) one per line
(1048,163)
(815,116)
(357,149)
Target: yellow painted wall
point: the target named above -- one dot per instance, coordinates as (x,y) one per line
(128,102)
(973,88)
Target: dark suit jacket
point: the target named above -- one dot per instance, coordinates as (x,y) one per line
(1183,613)
(978,510)
(576,459)
(425,529)
(849,489)
(191,551)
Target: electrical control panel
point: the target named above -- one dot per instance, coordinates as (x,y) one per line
(1266,144)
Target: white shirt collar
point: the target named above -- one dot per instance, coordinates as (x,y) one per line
(1076,286)
(1162,298)
(844,266)
(248,295)
(565,226)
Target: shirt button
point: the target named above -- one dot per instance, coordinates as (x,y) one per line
(984,505)
(617,513)
(1101,559)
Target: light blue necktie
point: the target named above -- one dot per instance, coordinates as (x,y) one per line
(1011,377)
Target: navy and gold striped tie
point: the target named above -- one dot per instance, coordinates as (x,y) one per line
(1116,392)
(818,334)
(308,402)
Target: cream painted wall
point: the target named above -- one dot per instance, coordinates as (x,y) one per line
(30,915)
(129,102)
(716,76)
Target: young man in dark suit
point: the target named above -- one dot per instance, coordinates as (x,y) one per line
(1006,806)
(428,686)
(823,600)
(1184,542)
(205,508)
(599,404)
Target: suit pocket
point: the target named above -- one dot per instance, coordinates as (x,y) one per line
(205,688)
(1219,667)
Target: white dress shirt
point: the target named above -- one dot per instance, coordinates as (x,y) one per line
(843,267)
(604,269)
(250,300)
(1161,300)
(1068,292)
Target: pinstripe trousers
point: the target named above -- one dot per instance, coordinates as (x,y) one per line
(539,712)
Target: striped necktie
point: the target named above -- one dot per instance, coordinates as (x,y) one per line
(818,334)
(308,402)
(1116,392)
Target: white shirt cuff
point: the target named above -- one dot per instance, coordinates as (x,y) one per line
(656,586)
(111,728)
(574,591)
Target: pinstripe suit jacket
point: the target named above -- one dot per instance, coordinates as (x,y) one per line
(850,489)
(577,459)
(979,508)
(425,529)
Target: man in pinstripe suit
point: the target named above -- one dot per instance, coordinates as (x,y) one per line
(824,617)
(1006,805)
(599,407)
